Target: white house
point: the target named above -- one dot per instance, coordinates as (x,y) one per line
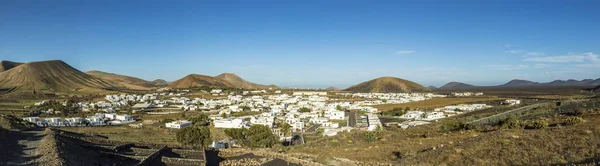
(298,126)
(412,115)
(336,115)
(512,102)
(229,123)
(124,118)
(309,93)
(178,124)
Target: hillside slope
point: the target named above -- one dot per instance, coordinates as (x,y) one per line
(387,85)
(238,82)
(456,86)
(160,82)
(196,80)
(7,65)
(518,82)
(50,76)
(122,80)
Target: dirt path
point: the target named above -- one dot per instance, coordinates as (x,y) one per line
(20,148)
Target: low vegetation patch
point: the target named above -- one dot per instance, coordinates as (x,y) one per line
(538,124)
(257,136)
(511,123)
(194,135)
(573,121)
(10,122)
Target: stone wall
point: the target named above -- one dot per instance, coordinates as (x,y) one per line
(150,158)
(182,161)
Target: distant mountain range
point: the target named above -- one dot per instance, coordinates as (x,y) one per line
(518,83)
(228,80)
(58,76)
(387,85)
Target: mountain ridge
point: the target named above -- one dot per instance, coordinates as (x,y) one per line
(124,81)
(387,85)
(53,75)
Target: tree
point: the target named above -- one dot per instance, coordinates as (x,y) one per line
(245,108)
(258,136)
(201,119)
(286,128)
(261,137)
(304,109)
(224,115)
(338,107)
(194,135)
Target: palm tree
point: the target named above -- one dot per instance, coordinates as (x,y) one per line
(286,128)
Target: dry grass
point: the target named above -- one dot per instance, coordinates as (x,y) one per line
(436,102)
(428,145)
(148,134)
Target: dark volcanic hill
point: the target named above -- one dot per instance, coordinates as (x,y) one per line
(160,82)
(50,76)
(518,82)
(196,80)
(238,82)
(596,89)
(7,65)
(432,87)
(456,86)
(387,85)
(123,81)
(332,88)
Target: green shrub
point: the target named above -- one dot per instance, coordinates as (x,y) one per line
(456,126)
(370,136)
(511,123)
(538,124)
(167,120)
(194,135)
(573,121)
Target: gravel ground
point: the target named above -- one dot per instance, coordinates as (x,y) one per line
(20,148)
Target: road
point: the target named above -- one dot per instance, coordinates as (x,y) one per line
(508,112)
(313,128)
(20,148)
(351,119)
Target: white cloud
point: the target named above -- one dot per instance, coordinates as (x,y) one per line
(403,52)
(526,53)
(534,53)
(570,58)
(515,51)
(541,65)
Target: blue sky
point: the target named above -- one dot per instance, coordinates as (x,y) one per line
(311,43)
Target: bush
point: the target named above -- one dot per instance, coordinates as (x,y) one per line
(201,119)
(573,121)
(538,124)
(167,120)
(453,126)
(258,136)
(304,109)
(194,135)
(511,123)
(370,136)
